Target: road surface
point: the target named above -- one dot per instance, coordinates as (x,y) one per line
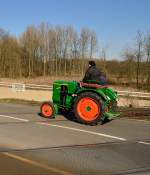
(30,144)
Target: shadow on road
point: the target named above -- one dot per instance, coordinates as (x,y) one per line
(71,117)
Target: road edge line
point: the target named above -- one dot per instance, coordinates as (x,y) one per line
(35,163)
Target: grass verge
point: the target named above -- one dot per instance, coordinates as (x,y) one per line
(19,101)
(135,113)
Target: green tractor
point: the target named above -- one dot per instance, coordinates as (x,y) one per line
(90,103)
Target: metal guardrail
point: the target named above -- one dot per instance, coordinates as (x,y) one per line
(21,87)
(134,94)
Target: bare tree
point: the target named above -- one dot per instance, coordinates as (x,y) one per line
(139,42)
(130,69)
(44,45)
(29,41)
(84,41)
(147,50)
(74,44)
(93,43)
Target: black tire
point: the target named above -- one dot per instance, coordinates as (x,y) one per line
(99,104)
(47,110)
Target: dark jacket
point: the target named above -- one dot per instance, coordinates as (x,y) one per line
(94,75)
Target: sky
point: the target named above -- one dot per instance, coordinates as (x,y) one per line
(116,22)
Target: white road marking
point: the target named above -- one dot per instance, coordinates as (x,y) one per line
(85,131)
(145,143)
(70,128)
(35,163)
(15,118)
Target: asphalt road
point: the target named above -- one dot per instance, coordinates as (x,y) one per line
(32,145)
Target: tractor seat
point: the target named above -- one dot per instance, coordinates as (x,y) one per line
(92,85)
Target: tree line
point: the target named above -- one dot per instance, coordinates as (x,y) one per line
(47,50)
(137,61)
(41,50)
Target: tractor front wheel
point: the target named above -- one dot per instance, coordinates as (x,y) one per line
(47,110)
(88,108)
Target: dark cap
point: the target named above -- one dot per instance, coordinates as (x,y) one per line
(92,63)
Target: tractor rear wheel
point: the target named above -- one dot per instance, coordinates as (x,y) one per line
(47,110)
(88,108)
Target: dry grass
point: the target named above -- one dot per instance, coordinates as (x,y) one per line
(40,80)
(20,101)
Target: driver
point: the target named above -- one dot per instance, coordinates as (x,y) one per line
(94,75)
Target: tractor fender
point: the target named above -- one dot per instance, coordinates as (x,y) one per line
(100,93)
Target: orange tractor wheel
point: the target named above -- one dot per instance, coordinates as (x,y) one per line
(88,108)
(47,110)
